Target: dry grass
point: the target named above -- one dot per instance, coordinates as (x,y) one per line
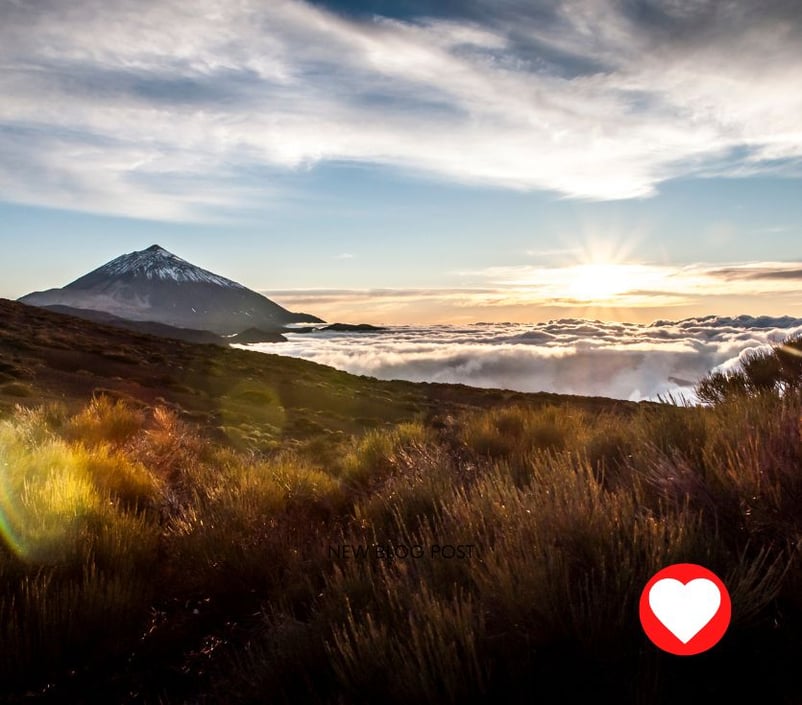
(120,524)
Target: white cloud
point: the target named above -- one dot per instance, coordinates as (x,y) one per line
(569,356)
(123,106)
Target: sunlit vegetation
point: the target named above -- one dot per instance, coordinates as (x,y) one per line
(144,561)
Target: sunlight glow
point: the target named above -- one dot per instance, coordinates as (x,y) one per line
(599,282)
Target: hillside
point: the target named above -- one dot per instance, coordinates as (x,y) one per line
(256,397)
(194,524)
(162,330)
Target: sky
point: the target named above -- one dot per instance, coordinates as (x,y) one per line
(412,161)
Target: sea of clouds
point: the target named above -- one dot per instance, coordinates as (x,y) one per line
(568,356)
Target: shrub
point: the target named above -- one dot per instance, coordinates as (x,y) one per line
(777,371)
(124,480)
(517,430)
(239,527)
(373,455)
(104,420)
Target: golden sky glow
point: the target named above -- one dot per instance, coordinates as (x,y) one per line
(619,291)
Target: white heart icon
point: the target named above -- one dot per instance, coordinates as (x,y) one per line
(684,608)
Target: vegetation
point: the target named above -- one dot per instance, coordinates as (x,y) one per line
(486,552)
(505,551)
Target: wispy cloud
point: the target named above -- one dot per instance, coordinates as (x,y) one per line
(761,271)
(163,109)
(392,305)
(344,255)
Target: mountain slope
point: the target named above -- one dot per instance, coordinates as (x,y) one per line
(188,335)
(48,356)
(156,285)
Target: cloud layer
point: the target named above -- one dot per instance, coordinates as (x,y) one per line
(167,109)
(569,356)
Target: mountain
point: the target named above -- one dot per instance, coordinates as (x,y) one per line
(156,285)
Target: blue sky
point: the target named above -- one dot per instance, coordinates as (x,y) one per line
(413,161)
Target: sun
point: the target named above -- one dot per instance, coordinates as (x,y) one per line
(597,282)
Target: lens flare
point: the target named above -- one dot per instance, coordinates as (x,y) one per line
(11,518)
(45,495)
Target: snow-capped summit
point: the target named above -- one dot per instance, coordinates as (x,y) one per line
(158,263)
(156,285)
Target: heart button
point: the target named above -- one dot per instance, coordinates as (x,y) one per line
(684,609)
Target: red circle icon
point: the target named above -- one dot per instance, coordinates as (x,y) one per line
(685,609)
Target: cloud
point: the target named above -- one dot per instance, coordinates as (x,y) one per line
(166,109)
(761,271)
(344,255)
(569,356)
